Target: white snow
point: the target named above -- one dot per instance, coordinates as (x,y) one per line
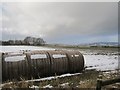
(101,62)
(58,56)
(15,58)
(54,77)
(22,48)
(64,84)
(34,86)
(2,85)
(36,56)
(48,86)
(15,53)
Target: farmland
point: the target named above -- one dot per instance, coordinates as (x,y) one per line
(97,62)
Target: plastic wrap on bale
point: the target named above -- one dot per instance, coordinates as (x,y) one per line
(37,64)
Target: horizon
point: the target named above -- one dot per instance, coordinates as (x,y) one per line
(87,43)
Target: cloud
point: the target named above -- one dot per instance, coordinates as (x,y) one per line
(56,21)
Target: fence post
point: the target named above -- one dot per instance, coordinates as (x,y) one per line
(99,84)
(28,62)
(0,68)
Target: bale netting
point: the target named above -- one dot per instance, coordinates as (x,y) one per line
(37,64)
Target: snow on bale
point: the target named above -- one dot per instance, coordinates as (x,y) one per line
(15,58)
(36,64)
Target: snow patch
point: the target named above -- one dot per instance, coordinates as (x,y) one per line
(64,85)
(58,56)
(101,62)
(34,86)
(48,86)
(37,56)
(54,77)
(15,58)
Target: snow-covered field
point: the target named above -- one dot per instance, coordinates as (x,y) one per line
(101,59)
(20,48)
(101,62)
(94,59)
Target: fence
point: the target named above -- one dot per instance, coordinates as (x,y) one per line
(0,68)
(36,64)
(101,83)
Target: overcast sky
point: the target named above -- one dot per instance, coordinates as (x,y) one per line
(64,23)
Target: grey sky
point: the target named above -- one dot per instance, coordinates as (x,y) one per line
(69,23)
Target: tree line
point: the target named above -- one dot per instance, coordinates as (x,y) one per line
(27,41)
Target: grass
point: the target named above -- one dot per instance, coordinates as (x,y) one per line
(87,79)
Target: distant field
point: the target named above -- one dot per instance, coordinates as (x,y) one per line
(84,47)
